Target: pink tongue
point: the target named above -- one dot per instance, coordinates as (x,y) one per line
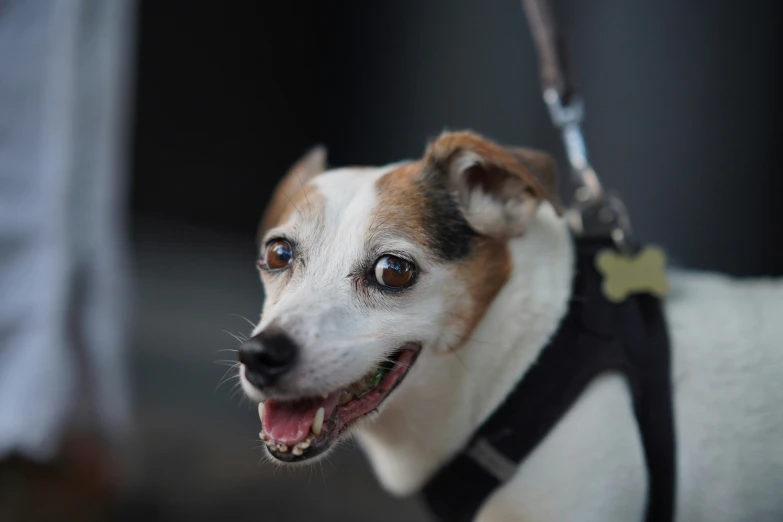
(290,422)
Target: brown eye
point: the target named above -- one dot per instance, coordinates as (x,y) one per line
(393,272)
(279,254)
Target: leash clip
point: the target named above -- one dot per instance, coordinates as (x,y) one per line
(568,118)
(594,211)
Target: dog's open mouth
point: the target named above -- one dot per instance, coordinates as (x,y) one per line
(301,429)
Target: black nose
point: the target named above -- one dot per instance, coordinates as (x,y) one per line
(267,357)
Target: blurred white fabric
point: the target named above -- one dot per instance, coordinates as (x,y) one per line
(65,81)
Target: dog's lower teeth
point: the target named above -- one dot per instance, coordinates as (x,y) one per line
(359,390)
(355,391)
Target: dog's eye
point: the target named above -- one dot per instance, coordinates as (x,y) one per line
(279,254)
(393,271)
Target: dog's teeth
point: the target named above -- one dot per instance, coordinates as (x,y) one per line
(304,444)
(282,448)
(271,444)
(262,436)
(318,421)
(261,410)
(324,395)
(297,451)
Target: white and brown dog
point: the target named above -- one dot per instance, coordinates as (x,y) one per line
(405,302)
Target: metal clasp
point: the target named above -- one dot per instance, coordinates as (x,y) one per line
(594,212)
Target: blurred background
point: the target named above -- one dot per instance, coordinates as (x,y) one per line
(214,101)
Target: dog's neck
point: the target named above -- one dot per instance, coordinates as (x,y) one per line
(448,396)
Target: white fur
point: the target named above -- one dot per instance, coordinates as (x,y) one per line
(341,337)
(727,358)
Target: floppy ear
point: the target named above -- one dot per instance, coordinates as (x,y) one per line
(292,184)
(495,188)
(544,168)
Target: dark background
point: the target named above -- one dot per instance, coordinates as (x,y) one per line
(682,99)
(683,118)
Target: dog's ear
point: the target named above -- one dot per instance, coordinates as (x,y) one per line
(292,184)
(543,167)
(496,187)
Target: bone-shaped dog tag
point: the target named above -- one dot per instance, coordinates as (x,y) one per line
(623,275)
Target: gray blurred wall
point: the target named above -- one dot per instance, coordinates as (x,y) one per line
(683,105)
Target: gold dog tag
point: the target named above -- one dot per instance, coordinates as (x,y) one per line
(623,275)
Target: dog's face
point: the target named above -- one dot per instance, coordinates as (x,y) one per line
(366,268)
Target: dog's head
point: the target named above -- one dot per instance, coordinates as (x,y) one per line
(366,268)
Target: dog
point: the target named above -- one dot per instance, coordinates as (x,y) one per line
(404,302)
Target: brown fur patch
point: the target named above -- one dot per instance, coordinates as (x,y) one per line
(403,207)
(305,201)
(292,193)
(290,197)
(414,200)
(483,274)
(543,167)
(421,207)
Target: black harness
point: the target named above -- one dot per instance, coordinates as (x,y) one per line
(594,337)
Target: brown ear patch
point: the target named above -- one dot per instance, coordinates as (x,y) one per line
(292,193)
(544,168)
(304,199)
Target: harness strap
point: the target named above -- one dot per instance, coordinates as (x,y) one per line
(594,337)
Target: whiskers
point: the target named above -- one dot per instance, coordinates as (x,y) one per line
(234,366)
(240,338)
(230,374)
(251,323)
